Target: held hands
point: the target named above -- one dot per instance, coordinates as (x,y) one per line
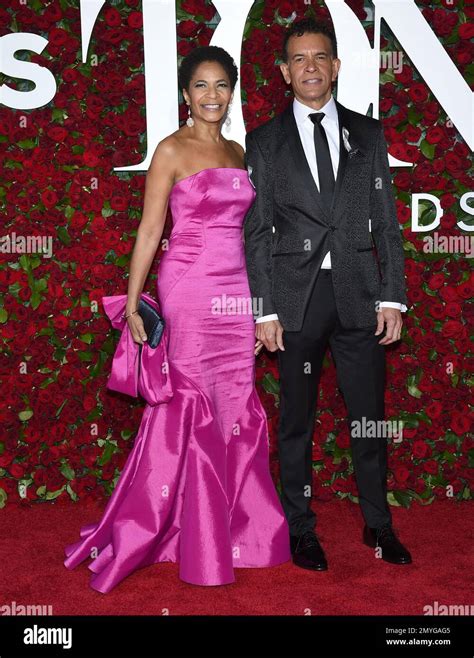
(270,335)
(391,317)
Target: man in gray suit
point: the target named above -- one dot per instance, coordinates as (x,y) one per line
(325,261)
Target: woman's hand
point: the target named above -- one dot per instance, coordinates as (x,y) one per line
(258,347)
(135,324)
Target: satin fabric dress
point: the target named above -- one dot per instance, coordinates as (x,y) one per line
(196,487)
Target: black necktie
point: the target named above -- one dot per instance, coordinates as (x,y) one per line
(323,159)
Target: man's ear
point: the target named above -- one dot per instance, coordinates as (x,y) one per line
(336,65)
(285,71)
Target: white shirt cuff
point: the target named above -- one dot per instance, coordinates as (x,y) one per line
(401,307)
(266,318)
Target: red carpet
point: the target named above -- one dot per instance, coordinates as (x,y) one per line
(439,537)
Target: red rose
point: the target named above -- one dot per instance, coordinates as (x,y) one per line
(436,281)
(193,7)
(431,466)
(17,470)
(343,440)
(286,9)
(405,76)
(466,289)
(112,17)
(453,309)
(461,423)
(434,410)
(466,31)
(418,92)
(135,19)
(57,37)
(401,474)
(187,29)
(184,48)
(57,133)
(453,329)
(434,134)
(420,449)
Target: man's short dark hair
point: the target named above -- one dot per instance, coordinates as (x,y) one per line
(308,26)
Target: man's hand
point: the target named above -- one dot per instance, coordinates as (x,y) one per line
(391,317)
(270,334)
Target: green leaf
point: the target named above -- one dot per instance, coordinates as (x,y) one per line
(94,414)
(87,338)
(25,415)
(85,356)
(403,497)
(67,471)
(46,382)
(26,143)
(24,261)
(387,76)
(123,260)
(106,455)
(57,114)
(414,117)
(427,149)
(60,408)
(51,495)
(71,492)
(414,391)
(3,316)
(35,300)
(63,234)
(39,284)
(3,498)
(409,246)
(412,388)
(270,384)
(97,368)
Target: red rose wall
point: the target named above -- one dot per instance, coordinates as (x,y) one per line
(63,434)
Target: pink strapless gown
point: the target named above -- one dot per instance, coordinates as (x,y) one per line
(196,487)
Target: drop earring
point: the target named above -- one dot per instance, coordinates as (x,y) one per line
(189,120)
(228,120)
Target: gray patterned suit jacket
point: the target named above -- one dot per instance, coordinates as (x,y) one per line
(288,230)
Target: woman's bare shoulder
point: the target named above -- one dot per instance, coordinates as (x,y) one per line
(237,147)
(169,151)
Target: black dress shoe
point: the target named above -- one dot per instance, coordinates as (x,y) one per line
(384,538)
(307,552)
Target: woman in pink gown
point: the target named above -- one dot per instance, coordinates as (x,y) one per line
(196,488)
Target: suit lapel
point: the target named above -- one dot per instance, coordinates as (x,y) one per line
(346,160)
(341,170)
(301,166)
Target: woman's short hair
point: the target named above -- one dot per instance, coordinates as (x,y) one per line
(206,54)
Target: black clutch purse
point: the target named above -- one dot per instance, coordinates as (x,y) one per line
(153,323)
